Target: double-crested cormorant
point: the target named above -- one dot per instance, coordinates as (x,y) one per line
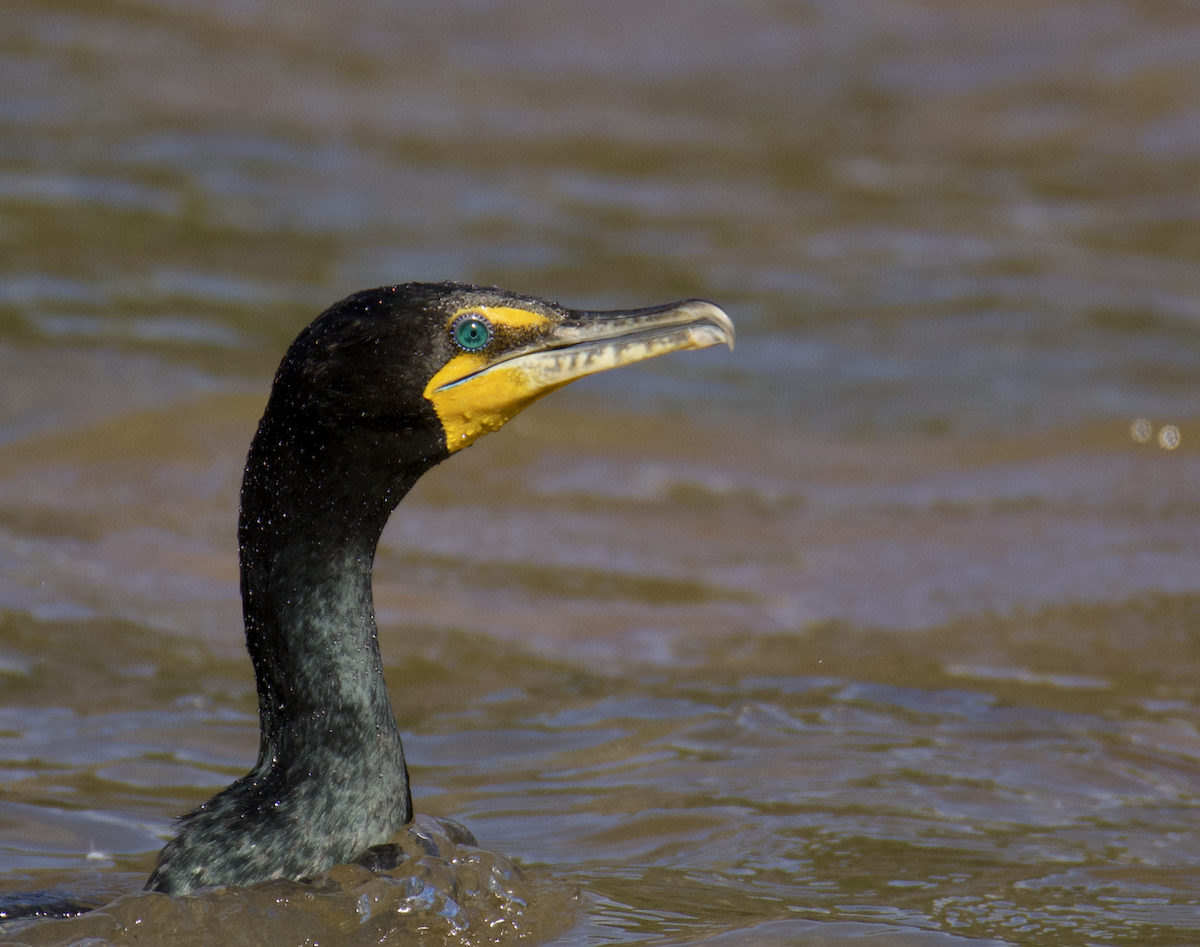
(377,390)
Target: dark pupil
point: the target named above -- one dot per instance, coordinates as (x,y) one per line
(471,334)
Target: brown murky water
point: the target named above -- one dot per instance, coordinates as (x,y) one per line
(883,628)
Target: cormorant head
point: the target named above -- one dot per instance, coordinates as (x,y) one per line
(447,362)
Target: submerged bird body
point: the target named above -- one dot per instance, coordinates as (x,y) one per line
(375,392)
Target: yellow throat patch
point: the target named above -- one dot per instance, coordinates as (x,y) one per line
(471,399)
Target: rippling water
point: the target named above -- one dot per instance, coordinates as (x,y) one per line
(884,628)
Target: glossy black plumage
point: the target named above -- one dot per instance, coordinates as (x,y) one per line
(377,390)
(345,435)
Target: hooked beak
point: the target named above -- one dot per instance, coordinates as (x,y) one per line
(473,396)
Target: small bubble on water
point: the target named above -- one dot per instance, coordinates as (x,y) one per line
(1141,430)
(1168,437)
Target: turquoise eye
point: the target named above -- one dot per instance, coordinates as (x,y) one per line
(472,332)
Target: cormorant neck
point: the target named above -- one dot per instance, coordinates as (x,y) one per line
(313,508)
(330,778)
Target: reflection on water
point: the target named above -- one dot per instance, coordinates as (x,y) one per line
(884,627)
